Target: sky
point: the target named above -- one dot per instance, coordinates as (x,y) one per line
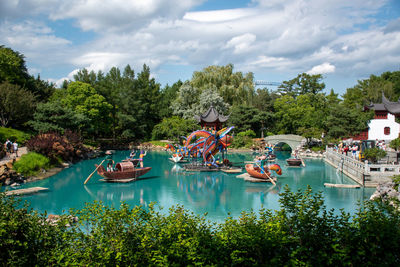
(276,40)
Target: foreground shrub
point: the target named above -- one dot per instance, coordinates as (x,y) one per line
(56,147)
(301,233)
(30,164)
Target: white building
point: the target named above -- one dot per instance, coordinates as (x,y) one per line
(383,126)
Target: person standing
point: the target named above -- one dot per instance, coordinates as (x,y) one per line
(15,147)
(8,146)
(141,156)
(354,150)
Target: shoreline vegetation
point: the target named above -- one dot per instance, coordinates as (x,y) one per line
(301,232)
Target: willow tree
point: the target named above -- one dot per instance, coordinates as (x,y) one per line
(234,87)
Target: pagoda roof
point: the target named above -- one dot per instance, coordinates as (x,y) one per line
(386,105)
(211,115)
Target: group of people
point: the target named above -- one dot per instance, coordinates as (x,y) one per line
(352,149)
(110,164)
(11,147)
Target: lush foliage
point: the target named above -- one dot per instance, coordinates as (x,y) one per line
(301,85)
(395,144)
(16,104)
(19,91)
(374,154)
(54,117)
(301,232)
(67,147)
(30,164)
(173,128)
(13,135)
(243,139)
(234,87)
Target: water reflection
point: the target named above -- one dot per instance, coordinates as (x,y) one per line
(169,184)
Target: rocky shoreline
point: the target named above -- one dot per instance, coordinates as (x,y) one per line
(9,177)
(386,192)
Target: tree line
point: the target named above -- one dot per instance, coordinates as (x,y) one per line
(129,105)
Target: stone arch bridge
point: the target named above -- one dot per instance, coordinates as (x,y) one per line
(294,141)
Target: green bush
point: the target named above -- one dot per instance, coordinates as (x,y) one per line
(173,128)
(30,164)
(13,135)
(374,154)
(395,144)
(248,133)
(301,233)
(318,148)
(158,143)
(243,139)
(242,142)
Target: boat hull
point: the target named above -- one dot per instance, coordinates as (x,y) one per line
(122,176)
(256,172)
(294,162)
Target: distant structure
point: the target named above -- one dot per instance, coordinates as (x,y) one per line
(383,126)
(259,82)
(211,119)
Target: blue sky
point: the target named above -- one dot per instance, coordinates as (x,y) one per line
(344,40)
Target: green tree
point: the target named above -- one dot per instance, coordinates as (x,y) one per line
(186,101)
(83,99)
(234,87)
(129,105)
(13,68)
(43,89)
(371,89)
(85,76)
(303,84)
(149,99)
(110,88)
(16,105)
(245,117)
(53,116)
(173,128)
(168,95)
(395,144)
(264,100)
(305,111)
(208,98)
(344,121)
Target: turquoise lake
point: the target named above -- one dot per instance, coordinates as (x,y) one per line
(215,193)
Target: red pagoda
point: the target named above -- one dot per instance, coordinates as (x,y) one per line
(211,119)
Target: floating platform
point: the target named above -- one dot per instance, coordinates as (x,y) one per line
(236,170)
(181,161)
(26,191)
(342,185)
(202,168)
(249,178)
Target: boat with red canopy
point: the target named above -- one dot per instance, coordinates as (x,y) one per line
(123,172)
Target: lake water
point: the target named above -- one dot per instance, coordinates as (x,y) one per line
(216,193)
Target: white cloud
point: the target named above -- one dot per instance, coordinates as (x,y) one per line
(269,35)
(241,43)
(322,69)
(218,15)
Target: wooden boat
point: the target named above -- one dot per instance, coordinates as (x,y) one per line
(255,171)
(125,172)
(294,162)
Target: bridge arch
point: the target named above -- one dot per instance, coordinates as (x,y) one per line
(294,141)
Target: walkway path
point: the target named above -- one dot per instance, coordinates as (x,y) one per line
(21,151)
